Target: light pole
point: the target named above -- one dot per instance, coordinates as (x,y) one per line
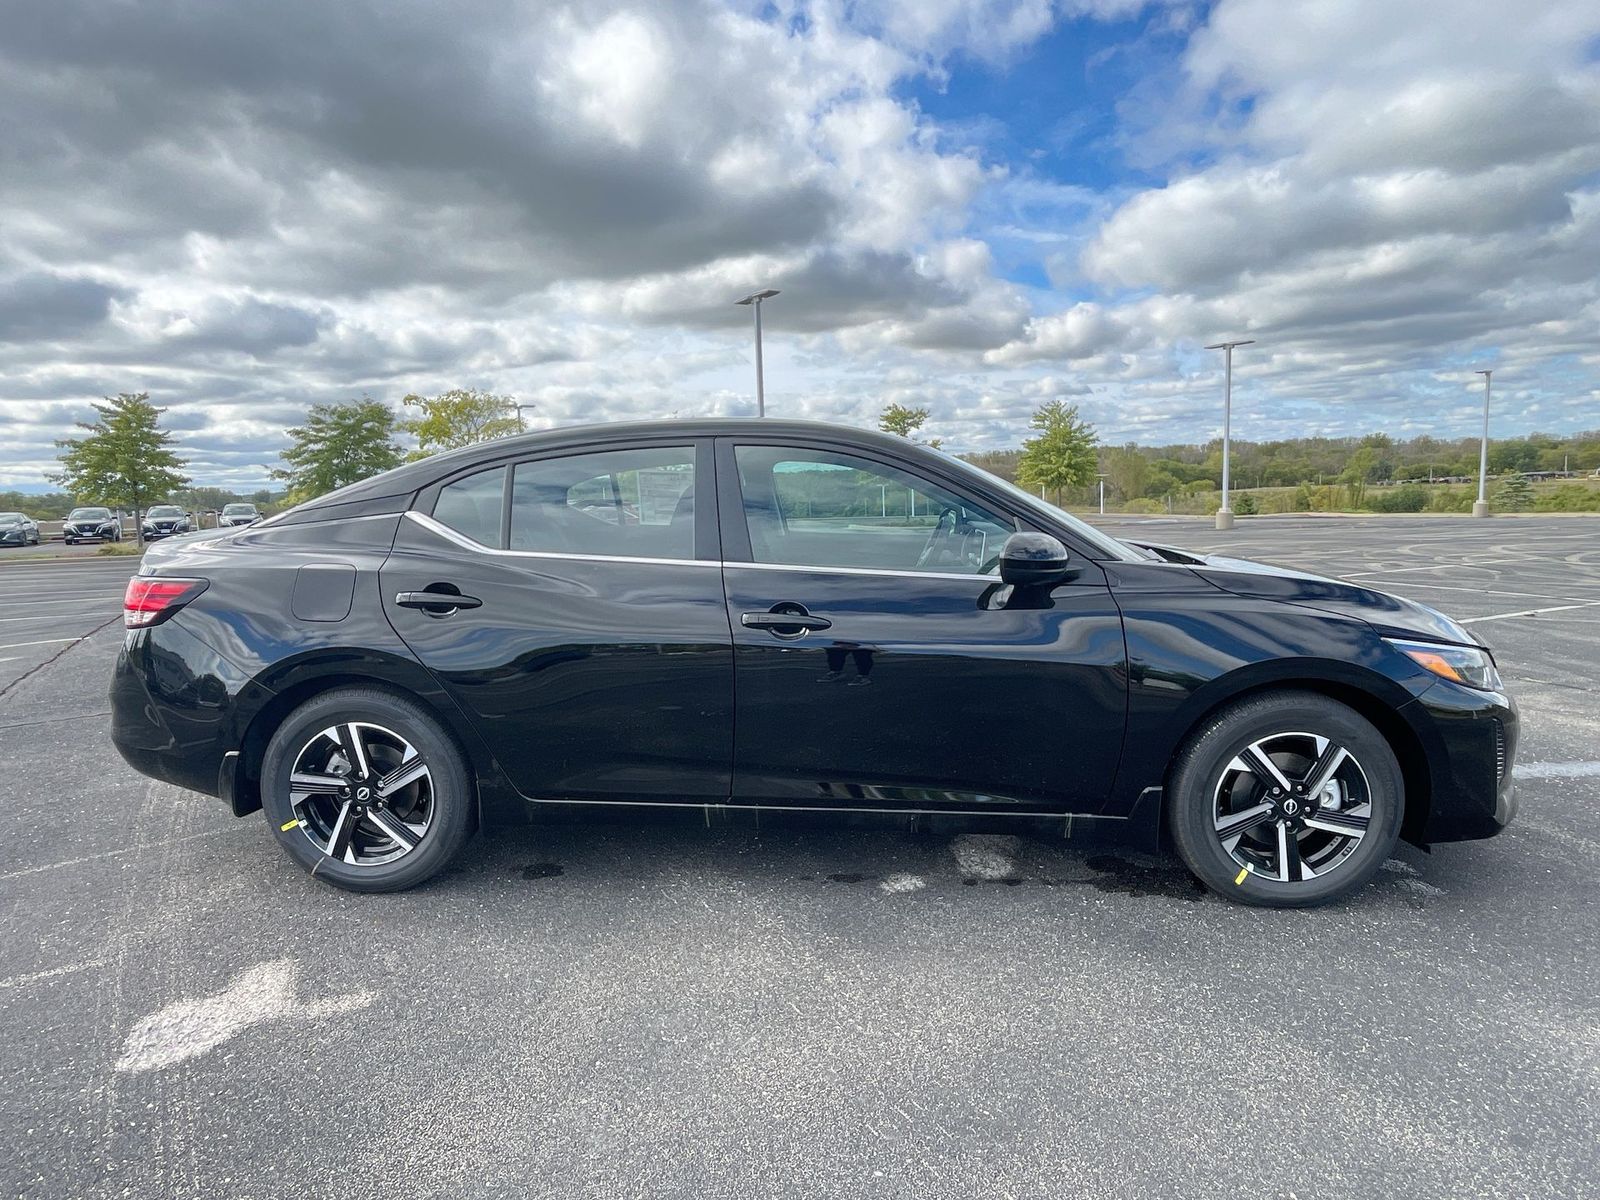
(754,300)
(1481,508)
(522,424)
(1225,513)
(1101,477)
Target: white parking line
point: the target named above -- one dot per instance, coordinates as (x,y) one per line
(1566,770)
(1528,612)
(40,642)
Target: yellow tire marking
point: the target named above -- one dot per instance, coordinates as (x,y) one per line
(288,825)
(1239,878)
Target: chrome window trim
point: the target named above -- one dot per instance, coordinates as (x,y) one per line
(466,543)
(755,566)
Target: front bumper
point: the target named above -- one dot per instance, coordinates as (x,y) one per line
(1470,740)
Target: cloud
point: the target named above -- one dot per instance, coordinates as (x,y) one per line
(247,209)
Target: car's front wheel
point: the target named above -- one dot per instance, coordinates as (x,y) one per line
(1286,799)
(367,791)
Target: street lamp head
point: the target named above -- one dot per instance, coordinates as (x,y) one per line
(1231,345)
(1490,371)
(758,297)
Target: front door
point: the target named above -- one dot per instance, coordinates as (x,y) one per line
(879,662)
(590,642)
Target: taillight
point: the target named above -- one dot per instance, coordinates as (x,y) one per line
(151,601)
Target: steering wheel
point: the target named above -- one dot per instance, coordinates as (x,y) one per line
(941,534)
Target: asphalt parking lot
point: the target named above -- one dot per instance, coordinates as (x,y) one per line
(658,1008)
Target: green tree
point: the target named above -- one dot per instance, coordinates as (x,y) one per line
(339,444)
(898,419)
(1128,471)
(1514,495)
(459,417)
(126,461)
(1063,455)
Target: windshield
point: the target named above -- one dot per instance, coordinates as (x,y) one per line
(238,510)
(11,518)
(1106,545)
(89,514)
(165,510)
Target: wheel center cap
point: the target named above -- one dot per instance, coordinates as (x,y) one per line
(363,793)
(1291,806)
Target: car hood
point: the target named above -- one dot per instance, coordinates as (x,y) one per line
(1390,615)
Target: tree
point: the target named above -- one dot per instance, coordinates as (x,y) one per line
(1063,455)
(899,419)
(1128,471)
(459,417)
(339,444)
(1514,495)
(125,461)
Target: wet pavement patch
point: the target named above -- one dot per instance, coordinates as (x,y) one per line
(542,870)
(1169,879)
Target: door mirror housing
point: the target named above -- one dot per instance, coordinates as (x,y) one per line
(1034,560)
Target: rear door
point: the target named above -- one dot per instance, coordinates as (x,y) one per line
(579,619)
(880,663)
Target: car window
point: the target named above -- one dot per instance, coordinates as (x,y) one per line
(88,514)
(471,506)
(626,503)
(830,509)
(165,510)
(237,510)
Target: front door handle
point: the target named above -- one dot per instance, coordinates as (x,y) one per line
(438,603)
(785,621)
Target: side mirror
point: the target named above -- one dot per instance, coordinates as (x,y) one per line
(1034,560)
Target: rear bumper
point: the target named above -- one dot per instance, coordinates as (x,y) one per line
(174,712)
(1470,737)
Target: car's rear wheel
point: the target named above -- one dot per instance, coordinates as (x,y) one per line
(1287,799)
(367,791)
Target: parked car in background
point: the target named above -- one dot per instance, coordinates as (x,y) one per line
(238,514)
(91,524)
(748,625)
(166,520)
(18,529)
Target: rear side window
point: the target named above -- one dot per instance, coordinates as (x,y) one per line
(471,506)
(620,503)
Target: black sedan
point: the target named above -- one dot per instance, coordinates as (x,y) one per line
(92,524)
(791,615)
(18,529)
(165,520)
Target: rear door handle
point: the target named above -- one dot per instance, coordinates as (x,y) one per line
(786,620)
(436,602)
(772,620)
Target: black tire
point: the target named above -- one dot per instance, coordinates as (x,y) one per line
(1210,795)
(307,827)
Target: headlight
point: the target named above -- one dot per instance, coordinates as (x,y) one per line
(1459,664)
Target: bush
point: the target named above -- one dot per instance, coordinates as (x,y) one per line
(1569,497)
(1245,504)
(120,549)
(1144,505)
(1407,498)
(1449,499)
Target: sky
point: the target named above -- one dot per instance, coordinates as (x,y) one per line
(973,206)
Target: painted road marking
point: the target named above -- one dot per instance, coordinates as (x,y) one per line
(1528,612)
(1566,770)
(41,642)
(53,973)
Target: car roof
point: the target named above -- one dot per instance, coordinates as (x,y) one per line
(413,476)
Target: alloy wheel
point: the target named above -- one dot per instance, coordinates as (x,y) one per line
(362,794)
(1291,807)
